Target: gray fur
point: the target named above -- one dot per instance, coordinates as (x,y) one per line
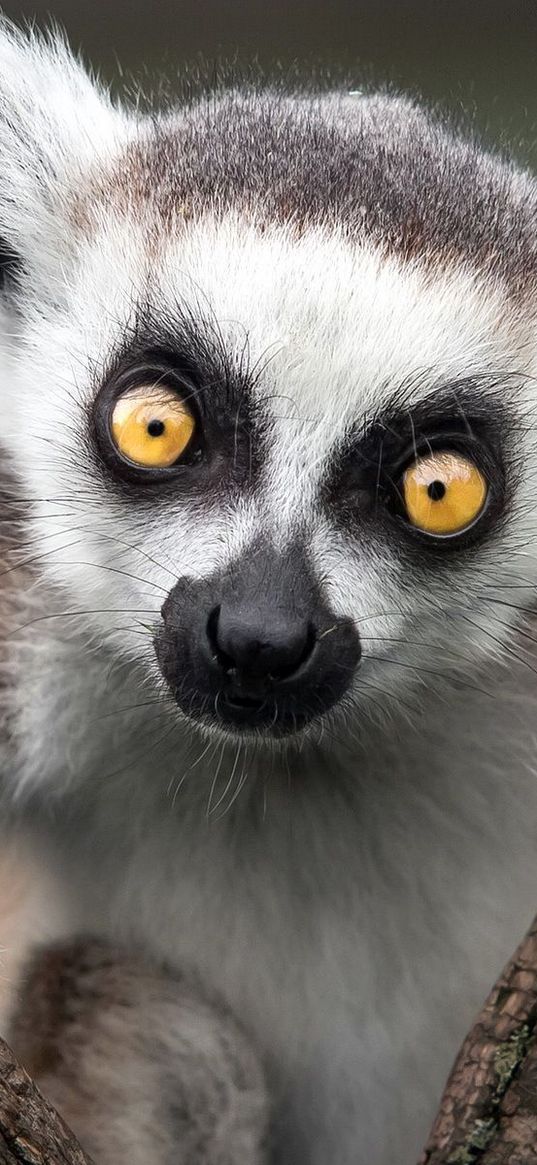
(379,168)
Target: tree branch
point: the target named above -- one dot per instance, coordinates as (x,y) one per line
(488,1113)
(31,1132)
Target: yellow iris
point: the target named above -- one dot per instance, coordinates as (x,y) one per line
(443,492)
(151,426)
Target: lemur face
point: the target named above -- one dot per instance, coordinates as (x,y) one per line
(270,383)
(336,493)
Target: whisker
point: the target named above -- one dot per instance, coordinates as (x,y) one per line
(117,570)
(215,779)
(230,781)
(81,614)
(430,672)
(504,647)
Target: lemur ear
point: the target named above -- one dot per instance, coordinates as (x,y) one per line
(55,121)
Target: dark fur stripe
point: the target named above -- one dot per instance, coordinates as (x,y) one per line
(378,167)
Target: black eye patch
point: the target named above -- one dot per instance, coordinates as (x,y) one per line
(229,422)
(363,489)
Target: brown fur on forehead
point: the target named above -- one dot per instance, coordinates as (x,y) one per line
(379,168)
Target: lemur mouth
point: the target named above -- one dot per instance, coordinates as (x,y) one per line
(271,717)
(244,703)
(244,710)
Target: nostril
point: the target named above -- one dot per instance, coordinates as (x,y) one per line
(226,662)
(212,627)
(296,655)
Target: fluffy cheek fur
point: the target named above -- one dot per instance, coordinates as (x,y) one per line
(427,628)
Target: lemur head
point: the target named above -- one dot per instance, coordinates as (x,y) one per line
(268,376)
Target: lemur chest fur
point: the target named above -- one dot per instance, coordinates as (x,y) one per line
(323,901)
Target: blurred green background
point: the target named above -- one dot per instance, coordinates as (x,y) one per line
(479,56)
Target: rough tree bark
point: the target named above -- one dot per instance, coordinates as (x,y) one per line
(31,1132)
(487,1116)
(488,1113)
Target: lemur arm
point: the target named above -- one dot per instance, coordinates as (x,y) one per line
(139,1064)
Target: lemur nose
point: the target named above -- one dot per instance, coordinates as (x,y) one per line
(265,647)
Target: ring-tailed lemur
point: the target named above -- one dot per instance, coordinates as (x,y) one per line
(268,376)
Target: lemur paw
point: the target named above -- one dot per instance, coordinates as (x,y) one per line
(140,1064)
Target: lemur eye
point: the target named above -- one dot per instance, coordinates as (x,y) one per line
(151,426)
(443,492)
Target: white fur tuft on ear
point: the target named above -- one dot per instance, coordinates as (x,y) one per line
(55,122)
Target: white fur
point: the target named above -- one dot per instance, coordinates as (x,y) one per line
(353,896)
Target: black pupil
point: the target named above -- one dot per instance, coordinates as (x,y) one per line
(436,491)
(156,428)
